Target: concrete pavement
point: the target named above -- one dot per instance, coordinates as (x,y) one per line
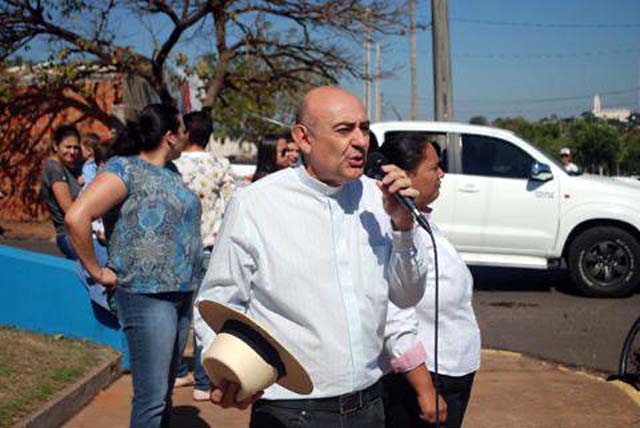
(510,391)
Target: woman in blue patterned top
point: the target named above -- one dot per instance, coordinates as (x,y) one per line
(152,224)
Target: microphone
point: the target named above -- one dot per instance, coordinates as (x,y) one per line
(373,169)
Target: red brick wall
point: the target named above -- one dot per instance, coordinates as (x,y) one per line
(25,143)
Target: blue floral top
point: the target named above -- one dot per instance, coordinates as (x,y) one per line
(154,235)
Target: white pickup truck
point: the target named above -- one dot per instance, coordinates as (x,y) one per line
(505,203)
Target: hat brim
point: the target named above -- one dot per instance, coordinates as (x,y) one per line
(296,378)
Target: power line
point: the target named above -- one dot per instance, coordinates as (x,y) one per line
(548,55)
(537,56)
(547,100)
(539,24)
(523,100)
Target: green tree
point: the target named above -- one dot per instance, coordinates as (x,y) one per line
(478,120)
(293,39)
(596,145)
(630,153)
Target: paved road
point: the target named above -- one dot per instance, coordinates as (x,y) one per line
(522,310)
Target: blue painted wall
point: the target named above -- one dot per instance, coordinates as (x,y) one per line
(43,293)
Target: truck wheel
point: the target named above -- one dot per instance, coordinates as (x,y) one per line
(605,262)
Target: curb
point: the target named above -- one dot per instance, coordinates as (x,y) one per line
(74,398)
(630,391)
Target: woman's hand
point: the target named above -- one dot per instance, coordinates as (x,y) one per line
(427,404)
(100,236)
(107,278)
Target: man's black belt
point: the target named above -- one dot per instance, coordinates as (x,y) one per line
(341,404)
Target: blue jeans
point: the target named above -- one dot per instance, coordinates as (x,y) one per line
(200,377)
(202,381)
(156,325)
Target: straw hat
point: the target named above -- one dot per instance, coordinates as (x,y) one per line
(245,353)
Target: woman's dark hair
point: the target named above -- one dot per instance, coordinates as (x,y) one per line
(199,126)
(91,140)
(407,151)
(267,155)
(101,153)
(65,131)
(146,133)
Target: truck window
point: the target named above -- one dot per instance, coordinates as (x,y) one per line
(492,157)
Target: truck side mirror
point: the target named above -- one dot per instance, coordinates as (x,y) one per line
(540,172)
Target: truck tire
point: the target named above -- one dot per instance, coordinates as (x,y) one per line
(604,261)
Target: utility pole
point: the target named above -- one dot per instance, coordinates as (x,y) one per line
(367,75)
(442,85)
(378,81)
(414,83)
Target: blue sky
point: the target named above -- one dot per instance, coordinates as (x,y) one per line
(564,50)
(509,57)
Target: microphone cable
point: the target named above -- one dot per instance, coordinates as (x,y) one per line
(374,170)
(436,380)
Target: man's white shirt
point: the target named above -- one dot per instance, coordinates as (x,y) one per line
(316,265)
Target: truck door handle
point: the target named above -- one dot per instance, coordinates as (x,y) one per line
(469,188)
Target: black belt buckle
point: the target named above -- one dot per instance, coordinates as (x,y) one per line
(351,402)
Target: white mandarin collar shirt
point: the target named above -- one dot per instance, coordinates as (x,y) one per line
(459,335)
(316,265)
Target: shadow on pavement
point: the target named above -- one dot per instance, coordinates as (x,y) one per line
(510,279)
(187,416)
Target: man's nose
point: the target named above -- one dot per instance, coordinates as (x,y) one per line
(360,137)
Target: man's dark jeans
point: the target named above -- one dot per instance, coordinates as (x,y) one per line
(401,406)
(366,411)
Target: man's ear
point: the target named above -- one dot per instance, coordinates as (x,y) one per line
(300,135)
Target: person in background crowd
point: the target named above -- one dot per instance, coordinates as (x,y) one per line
(210,177)
(272,155)
(90,143)
(567,164)
(459,335)
(293,153)
(60,186)
(354,250)
(101,154)
(155,264)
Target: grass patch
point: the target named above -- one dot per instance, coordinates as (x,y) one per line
(34,367)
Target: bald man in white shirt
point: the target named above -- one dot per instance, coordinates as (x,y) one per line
(315,253)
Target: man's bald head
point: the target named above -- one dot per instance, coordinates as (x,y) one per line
(317,101)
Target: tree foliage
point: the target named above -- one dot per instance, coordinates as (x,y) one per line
(599,146)
(292,40)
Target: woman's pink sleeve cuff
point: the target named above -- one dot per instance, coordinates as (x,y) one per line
(411,359)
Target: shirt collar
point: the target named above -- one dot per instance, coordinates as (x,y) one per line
(315,184)
(187,155)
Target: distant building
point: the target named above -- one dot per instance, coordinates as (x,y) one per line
(620,114)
